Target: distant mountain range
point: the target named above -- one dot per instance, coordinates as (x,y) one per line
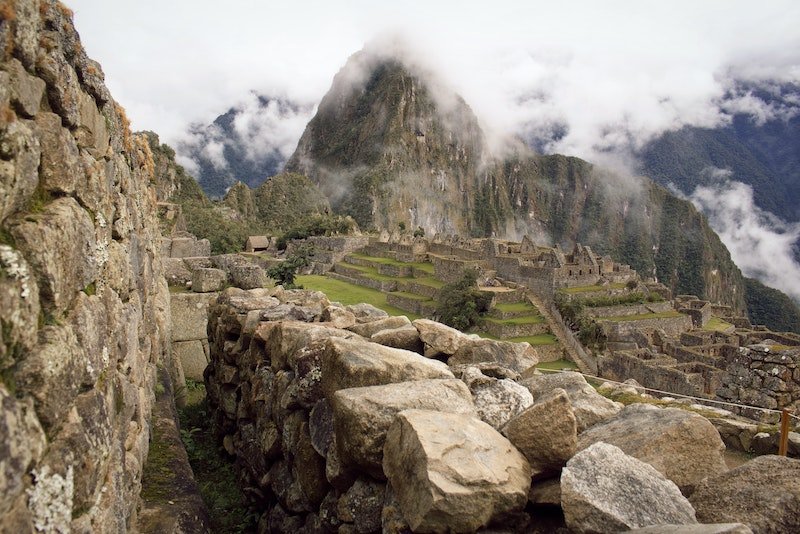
(248,143)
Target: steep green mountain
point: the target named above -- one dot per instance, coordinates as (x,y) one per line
(763,154)
(388,145)
(771,307)
(283,202)
(248,143)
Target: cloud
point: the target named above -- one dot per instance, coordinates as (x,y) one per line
(762,245)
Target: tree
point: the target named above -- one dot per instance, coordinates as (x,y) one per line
(461,305)
(285,271)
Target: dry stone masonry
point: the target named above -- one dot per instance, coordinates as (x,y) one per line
(336,432)
(84,304)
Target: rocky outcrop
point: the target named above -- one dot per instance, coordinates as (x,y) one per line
(83,302)
(683,446)
(452,472)
(604,490)
(307,408)
(763,493)
(588,406)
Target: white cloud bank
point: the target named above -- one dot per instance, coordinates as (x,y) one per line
(761,244)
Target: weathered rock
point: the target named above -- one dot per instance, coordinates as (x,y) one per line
(309,468)
(59,243)
(361,505)
(189,316)
(189,247)
(406,338)
(208,280)
(439,338)
(605,490)
(714,528)
(283,339)
(22,442)
(763,493)
(19,300)
(451,472)
(349,363)
(19,162)
(366,312)
(176,272)
(515,356)
(363,415)
(26,90)
(338,317)
(496,401)
(546,492)
(193,356)
(372,327)
(682,445)
(91,133)
(588,406)
(60,168)
(546,432)
(248,276)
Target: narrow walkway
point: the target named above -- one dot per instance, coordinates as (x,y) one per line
(586,363)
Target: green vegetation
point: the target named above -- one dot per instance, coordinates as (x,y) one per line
(590,289)
(590,333)
(715,323)
(528,319)
(642,316)
(771,307)
(461,304)
(213,469)
(90,289)
(412,296)
(540,339)
(514,307)
(285,271)
(317,225)
(618,300)
(347,293)
(422,266)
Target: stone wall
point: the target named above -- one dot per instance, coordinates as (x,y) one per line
(84,305)
(673,326)
(760,377)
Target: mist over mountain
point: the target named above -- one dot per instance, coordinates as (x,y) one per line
(249,143)
(391,144)
(745,176)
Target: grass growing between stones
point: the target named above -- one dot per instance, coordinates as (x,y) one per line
(213,469)
(347,293)
(717,324)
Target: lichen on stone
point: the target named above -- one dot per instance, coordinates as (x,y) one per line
(16,268)
(50,500)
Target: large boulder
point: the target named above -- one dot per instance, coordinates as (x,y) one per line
(497,400)
(439,338)
(682,445)
(282,340)
(588,406)
(362,416)
(338,317)
(372,327)
(350,363)
(452,472)
(516,356)
(763,493)
(605,490)
(189,315)
(546,433)
(366,312)
(406,338)
(714,528)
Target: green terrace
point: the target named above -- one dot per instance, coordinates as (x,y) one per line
(348,293)
(641,317)
(717,324)
(527,319)
(422,266)
(540,339)
(515,307)
(590,289)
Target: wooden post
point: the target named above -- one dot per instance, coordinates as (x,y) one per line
(784,442)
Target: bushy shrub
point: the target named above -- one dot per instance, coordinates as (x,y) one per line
(317,225)
(461,305)
(285,272)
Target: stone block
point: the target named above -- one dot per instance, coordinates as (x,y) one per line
(189,247)
(92,132)
(26,90)
(208,280)
(193,356)
(19,167)
(189,315)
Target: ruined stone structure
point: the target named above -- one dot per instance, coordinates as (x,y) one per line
(83,301)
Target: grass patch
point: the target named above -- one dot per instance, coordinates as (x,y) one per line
(412,296)
(528,319)
(590,289)
(179,289)
(717,324)
(540,339)
(557,365)
(422,266)
(347,293)
(373,274)
(213,469)
(641,316)
(430,282)
(512,307)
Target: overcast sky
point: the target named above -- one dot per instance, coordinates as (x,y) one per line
(608,74)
